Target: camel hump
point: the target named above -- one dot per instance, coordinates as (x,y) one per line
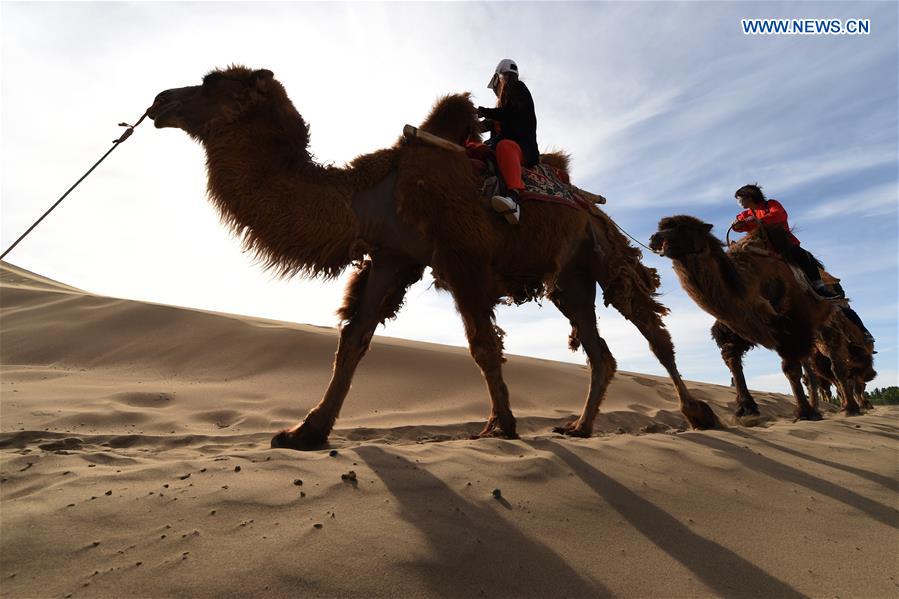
(558,159)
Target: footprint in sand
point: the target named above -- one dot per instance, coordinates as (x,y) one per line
(143,399)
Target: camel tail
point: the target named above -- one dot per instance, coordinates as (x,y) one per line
(628,284)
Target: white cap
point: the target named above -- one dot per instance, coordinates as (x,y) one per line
(506,65)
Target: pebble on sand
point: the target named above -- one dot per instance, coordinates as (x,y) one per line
(497,493)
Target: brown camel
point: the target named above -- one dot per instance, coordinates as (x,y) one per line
(394,212)
(856,370)
(756,298)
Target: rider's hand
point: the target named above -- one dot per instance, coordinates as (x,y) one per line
(738,226)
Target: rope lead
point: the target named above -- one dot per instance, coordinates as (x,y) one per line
(125,135)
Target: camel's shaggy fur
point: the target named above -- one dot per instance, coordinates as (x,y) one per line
(393,213)
(852,368)
(756,298)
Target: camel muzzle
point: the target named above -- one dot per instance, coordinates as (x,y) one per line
(658,244)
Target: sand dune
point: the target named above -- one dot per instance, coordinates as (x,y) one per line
(135,462)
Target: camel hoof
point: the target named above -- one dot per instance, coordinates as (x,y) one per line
(746,410)
(748,420)
(852,411)
(574,429)
(811,415)
(302,439)
(493,430)
(700,416)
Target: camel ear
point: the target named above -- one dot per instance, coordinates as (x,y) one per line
(263,79)
(708,227)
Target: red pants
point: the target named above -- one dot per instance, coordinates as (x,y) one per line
(508,159)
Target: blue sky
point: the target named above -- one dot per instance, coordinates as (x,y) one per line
(666,107)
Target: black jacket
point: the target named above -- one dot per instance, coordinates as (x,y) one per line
(518,121)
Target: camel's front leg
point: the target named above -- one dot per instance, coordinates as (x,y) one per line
(792,369)
(486,348)
(575,296)
(733,348)
(374,294)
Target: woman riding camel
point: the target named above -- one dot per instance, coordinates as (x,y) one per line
(514,134)
(759,209)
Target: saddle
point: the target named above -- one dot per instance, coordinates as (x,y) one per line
(542,183)
(755,245)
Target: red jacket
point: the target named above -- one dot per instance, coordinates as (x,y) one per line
(772,214)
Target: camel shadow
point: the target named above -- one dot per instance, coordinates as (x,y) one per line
(885,481)
(722,570)
(474,550)
(783,473)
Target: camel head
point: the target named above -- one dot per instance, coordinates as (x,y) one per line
(223,98)
(454,117)
(681,236)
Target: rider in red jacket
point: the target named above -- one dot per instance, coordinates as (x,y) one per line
(759,209)
(772,213)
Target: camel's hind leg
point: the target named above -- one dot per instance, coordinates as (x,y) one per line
(374,294)
(575,296)
(792,369)
(733,348)
(812,383)
(832,345)
(640,308)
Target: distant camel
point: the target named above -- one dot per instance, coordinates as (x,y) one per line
(407,207)
(757,299)
(857,369)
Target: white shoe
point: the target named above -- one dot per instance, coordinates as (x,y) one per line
(508,207)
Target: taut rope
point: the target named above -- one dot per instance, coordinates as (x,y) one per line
(634,239)
(125,135)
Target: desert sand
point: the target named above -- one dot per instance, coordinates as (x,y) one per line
(134,441)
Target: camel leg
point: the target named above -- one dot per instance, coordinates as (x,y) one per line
(846,391)
(812,384)
(792,369)
(575,296)
(486,346)
(832,346)
(733,348)
(374,294)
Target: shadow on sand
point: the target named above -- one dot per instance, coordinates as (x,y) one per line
(722,570)
(781,472)
(885,481)
(474,551)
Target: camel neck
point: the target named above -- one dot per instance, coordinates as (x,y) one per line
(711,280)
(293,219)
